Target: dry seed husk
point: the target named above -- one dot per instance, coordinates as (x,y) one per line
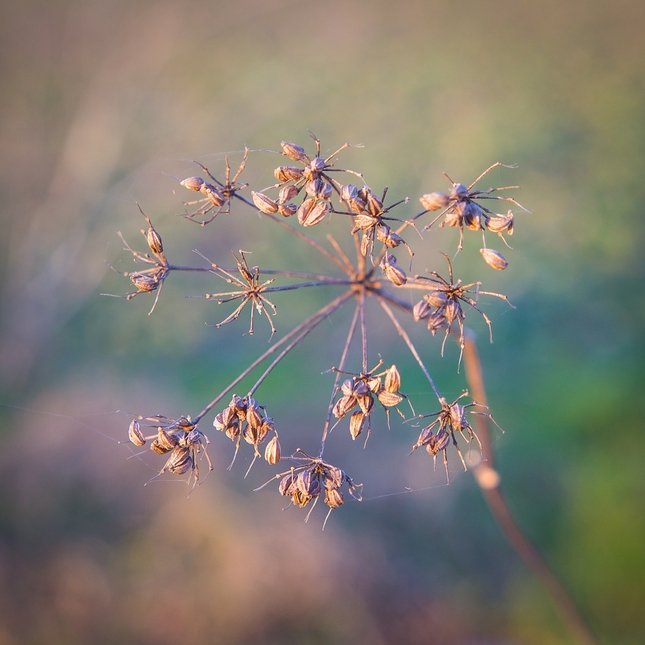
(436,299)
(135,435)
(287,210)
(501,223)
(166,440)
(272,452)
(293,151)
(334,477)
(459,191)
(453,311)
(287,193)
(473,216)
(494,259)
(154,241)
(392,379)
(287,485)
(356,423)
(394,273)
(264,204)
(333,498)
(213,193)
(144,281)
(366,403)
(180,461)
(193,183)
(344,405)
(314,215)
(434,201)
(436,321)
(389,399)
(287,173)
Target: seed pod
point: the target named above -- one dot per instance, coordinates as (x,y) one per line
(494,259)
(144,281)
(392,379)
(389,399)
(272,451)
(333,498)
(361,388)
(459,191)
(158,448)
(453,311)
(473,216)
(393,272)
(193,183)
(343,406)
(373,203)
(287,486)
(366,403)
(385,234)
(239,405)
(233,430)
(135,435)
(501,223)
(300,499)
(304,481)
(324,192)
(364,222)
(288,173)
(452,218)
(166,440)
(315,488)
(334,477)
(313,186)
(317,165)
(250,435)
(356,423)
(253,416)
(437,442)
(264,204)
(213,193)
(436,321)
(305,208)
(374,384)
(293,151)
(434,201)
(287,210)
(180,461)
(436,299)
(313,215)
(154,241)
(349,193)
(287,193)
(458,416)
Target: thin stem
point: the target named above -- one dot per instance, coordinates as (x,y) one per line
(296,330)
(408,342)
(341,365)
(363,330)
(301,336)
(489,483)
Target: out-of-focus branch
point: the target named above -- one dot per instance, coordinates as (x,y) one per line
(490,483)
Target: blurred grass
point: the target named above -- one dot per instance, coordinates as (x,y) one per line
(104,104)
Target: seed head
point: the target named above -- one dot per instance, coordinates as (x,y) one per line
(272,452)
(434,201)
(293,151)
(264,204)
(193,183)
(494,259)
(135,435)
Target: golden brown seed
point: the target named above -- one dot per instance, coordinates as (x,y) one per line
(436,299)
(392,380)
(366,403)
(287,210)
(166,440)
(293,151)
(180,461)
(287,173)
(494,259)
(264,204)
(356,423)
(272,452)
(389,399)
(393,272)
(501,223)
(193,183)
(287,193)
(312,215)
(343,406)
(154,241)
(434,201)
(333,498)
(135,435)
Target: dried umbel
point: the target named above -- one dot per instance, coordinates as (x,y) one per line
(179,438)
(462,209)
(311,190)
(441,432)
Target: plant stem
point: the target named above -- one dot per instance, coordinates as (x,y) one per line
(489,482)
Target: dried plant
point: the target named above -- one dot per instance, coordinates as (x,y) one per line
(311,192)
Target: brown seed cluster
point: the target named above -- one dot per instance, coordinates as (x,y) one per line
(179,438)
(246,418)
(441,432)
(307,188)
(306,483)
(461,208)
(361,390)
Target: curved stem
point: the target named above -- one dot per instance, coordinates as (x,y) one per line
(489,482)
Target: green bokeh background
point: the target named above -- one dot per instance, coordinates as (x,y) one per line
(103,105)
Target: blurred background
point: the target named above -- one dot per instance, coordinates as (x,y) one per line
(103,105)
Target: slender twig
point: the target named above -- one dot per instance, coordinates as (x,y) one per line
(408,342)
(489,482)
(334,304)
